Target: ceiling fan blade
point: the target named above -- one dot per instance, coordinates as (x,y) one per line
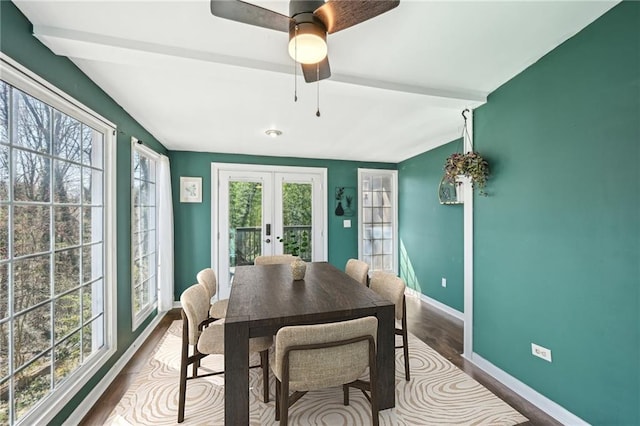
(310,71)
(240,11)
(337,15)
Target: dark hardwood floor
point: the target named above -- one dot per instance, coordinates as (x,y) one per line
(438,330)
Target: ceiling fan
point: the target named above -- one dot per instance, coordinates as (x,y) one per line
(308,25)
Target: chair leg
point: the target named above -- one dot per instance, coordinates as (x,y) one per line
(264,363)
(405,340)
(345,391)
(277,399)
(284,402)
(183,369)
(373,383)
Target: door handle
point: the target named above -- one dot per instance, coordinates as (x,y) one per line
(268,230)
(268,240)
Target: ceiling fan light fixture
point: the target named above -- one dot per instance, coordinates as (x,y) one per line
(308,45)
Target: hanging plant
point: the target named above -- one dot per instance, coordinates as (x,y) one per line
(471,165)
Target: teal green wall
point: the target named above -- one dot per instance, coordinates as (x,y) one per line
(431,234)
(17,41)
(557,242)
(193,221)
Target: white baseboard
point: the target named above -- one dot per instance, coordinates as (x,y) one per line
(556,411)
(438,305)
(177,304)
(90,400)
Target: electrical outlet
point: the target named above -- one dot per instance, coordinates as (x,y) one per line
(444,282)
(541,352)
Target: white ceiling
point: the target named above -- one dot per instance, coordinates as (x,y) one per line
(398,85)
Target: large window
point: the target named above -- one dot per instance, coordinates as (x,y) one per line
(143,232)
(378,240)
(53,296)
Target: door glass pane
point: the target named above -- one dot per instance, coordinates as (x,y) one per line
(378,222)
(297,219)
(245,223)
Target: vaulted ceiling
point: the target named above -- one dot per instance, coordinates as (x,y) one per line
(399,81)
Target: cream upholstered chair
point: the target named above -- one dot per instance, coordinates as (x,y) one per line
(392,288)
(207,278)
(274,260)
(206,335)
(358,270)
(310,357)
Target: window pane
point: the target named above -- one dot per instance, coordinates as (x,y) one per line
(32,384)
(4,232)
(91,262)
(66,137)
(33,121)
(67,357)
(67,270)
(387,262)
(30,230)
(4,354)
(4,290)
(66,182)
(92,300)
(91,186)
(92,224)
(377,263)
(144,218)
(67,226)
(4,121)
(387,246)
(377,247)
(4,403)
(31,176)
(31,282)
(144,243)
(367,199)
(92,145)
(92,337)
(32,334)
(66,314)
(4,173)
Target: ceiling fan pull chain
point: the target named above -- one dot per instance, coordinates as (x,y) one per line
(295,68)
(318,88)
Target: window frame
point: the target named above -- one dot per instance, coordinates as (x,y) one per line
(30,83)
(138,318)
(393,174)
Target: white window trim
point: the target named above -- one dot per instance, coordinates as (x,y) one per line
(394,184)
(27,81)
(138,319)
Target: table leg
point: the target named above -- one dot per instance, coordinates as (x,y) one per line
(386,357)
(236,371)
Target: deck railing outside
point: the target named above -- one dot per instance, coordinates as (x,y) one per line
(247,243)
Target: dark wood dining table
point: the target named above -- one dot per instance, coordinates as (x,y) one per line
(265,298)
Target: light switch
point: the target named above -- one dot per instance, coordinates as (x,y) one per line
(346,223)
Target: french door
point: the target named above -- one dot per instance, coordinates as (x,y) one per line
(256,207)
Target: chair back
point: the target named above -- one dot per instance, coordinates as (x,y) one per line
(358,270)
(195,305)
(311,368)
(207,278)
(274,260)
(391,287)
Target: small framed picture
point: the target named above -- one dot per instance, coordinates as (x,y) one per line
(190,189)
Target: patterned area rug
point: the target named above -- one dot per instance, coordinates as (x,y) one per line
(439,393)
